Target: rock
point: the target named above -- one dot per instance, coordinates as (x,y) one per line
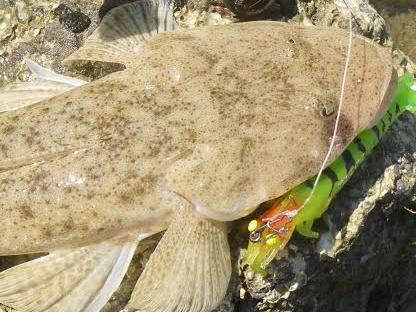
(213,15)
(22,12)
(31,29)
(365,19)
(251,8)
(73,20)
(400,17)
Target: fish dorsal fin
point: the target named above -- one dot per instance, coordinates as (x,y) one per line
(121,33)
(189,270)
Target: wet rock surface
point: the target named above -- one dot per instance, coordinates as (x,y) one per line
(73,20)
(32,29)
(366,257)
(400,18)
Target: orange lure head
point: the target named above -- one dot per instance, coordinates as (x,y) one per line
(270,233)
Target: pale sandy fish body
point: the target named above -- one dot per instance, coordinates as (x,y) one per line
(210,122)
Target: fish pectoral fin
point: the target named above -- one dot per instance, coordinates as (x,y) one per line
(189,270)
(122,31)
(78,279)
(46,84)
(46,74)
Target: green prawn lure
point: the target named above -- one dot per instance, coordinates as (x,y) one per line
(300,207)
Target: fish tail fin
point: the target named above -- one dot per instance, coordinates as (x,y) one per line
(46,84)
(77,279)
(189,270)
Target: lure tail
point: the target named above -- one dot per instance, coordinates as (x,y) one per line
(406,93)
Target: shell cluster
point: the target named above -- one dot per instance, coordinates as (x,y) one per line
(191,18)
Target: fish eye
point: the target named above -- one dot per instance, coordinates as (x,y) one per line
(325,113)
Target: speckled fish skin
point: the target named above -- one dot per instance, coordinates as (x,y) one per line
(226,117)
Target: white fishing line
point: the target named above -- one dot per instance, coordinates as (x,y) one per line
(341,103)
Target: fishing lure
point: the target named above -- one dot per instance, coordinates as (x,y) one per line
(298,208)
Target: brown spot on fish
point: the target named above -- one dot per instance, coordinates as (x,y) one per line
(46,231)
(3,149)
(9,129)
(25,211)
(29,140)
(127,197)
(68,225)
(45,110)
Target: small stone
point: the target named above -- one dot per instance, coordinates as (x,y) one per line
(242,293)
(22,12)
(400,186)
(188,18)
(5,22)
(338,236)
(74,21)
(293,287)
(293,247)
(286,295)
